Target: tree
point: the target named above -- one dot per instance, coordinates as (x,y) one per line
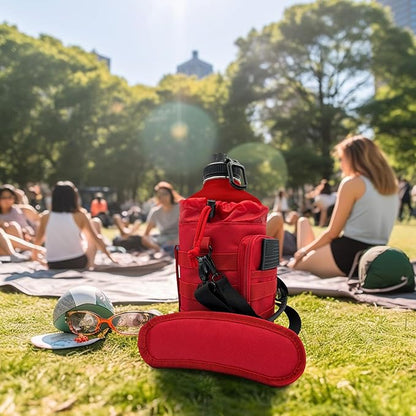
(64,116)
(305,77)
(117,154)
(265,167)
(51,99)
(392,110)
(183,131)
(236,128)
(22,78)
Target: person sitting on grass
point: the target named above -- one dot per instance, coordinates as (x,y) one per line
(17,219)
(324,200)
(364,214)
(9,244)
(71,237)
(129,225)
(99,209)
(165,217)
(287,240)
(128,222)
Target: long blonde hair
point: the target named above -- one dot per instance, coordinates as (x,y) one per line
(366,158)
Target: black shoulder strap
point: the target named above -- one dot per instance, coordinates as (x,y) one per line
(295,323)
(220,296)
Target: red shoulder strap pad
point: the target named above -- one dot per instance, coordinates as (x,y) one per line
(228,343)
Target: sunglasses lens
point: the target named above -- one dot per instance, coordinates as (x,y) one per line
(129,323)
(83,323)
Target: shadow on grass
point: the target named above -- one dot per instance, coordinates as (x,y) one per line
(194,392)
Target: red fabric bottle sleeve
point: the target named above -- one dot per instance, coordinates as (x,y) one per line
(228,343)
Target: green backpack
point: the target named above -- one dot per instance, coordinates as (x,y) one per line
(385,269)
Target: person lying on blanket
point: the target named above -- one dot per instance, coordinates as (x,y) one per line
(364,214)
(71,237)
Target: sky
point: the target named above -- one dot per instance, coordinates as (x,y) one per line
(147,39)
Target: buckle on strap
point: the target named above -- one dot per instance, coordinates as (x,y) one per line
(236,174)
(206,267)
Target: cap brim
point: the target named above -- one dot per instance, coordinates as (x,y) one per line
(59,341)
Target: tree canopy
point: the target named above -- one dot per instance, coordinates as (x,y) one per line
(392,110)
(64,116)
(327,69)
(305,78)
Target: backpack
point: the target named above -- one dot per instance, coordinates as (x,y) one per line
(385,269)
(224,260)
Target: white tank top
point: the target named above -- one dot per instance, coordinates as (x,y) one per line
(63,238)
(372,217)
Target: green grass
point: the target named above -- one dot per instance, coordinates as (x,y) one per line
(360,361)
(404,237)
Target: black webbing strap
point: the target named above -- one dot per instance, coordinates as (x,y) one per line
(220,296)
(295,323)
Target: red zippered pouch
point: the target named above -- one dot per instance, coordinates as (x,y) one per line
(229,343)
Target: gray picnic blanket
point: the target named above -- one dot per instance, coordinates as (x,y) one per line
(301,282)
(141,279)
(133,280)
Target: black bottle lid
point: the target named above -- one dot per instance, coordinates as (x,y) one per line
(224,167)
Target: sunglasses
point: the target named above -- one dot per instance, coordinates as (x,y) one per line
(124,323)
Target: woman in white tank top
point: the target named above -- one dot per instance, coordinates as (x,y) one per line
(364,213)
(70,238)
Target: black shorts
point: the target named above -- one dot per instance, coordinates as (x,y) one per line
(289,244)
(76,263)
(344,250)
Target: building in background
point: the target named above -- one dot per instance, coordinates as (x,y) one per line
(195,67)
(102,58)
(404,12)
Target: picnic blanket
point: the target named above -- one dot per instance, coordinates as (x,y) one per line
(301,282)
(135,279)
(142,279)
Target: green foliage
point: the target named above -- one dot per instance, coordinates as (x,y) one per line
(392,110)
(266,169)
(51,97)
(304,78)
(299,85)
(177,139)
(188,127)
(64,116)
(304,166)
(116,155)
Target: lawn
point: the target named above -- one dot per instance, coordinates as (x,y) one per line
(361,360)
